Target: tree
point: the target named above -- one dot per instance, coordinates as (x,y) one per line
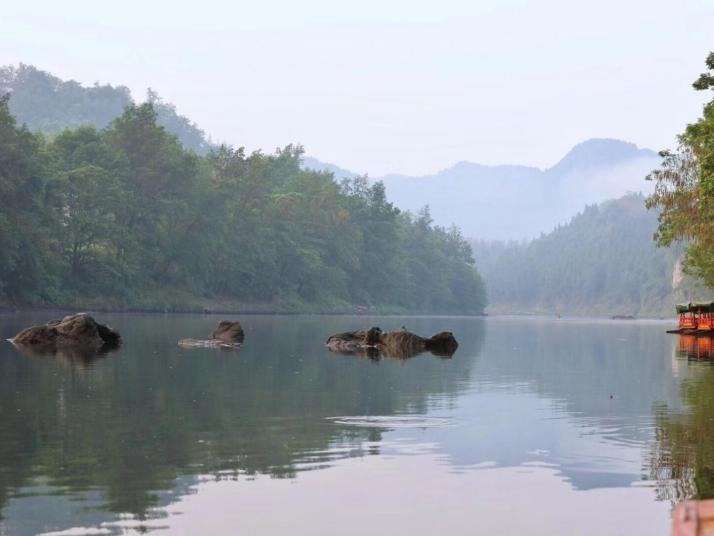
(684,189)
(83,193)
(21,188)
(126,216)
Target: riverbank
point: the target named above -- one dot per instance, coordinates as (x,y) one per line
(622,312)
(176,301)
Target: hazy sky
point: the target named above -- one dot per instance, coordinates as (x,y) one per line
(380,86)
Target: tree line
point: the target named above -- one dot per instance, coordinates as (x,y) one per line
(127,217)
(603,262)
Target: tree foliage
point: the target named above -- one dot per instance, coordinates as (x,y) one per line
(684,189)
(602,262)
(126,216)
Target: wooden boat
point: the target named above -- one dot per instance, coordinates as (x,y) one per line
(693,518)
(695,318)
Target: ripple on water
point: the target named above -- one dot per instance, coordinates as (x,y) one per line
(393,421)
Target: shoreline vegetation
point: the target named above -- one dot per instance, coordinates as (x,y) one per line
(127,218)
(241,309)
(110,205)
(268,310)
(603,263)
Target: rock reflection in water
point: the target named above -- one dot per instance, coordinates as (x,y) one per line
(125,430)
(401,354)
(74,356)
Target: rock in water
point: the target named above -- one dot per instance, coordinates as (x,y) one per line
(74,331)
(400,344)
(442,344)
(228,336)
(228,331)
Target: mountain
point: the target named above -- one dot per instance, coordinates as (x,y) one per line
(598,152)
(487,202)
(308,162)
(510,202)
(49,104)
(602,262)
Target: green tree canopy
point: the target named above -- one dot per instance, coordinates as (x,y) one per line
(684,189)
(127,217)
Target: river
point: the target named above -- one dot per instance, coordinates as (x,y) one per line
(535,425)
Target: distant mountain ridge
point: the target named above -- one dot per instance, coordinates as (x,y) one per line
(505,202)
(600,152)
(513,202)
(308,162)
(49,104)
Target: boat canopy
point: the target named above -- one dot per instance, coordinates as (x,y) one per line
(695,307)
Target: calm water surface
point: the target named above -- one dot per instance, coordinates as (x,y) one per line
(535,426)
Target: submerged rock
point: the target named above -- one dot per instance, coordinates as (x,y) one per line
(207,343)
(77,334)
(228,336)
(402,344)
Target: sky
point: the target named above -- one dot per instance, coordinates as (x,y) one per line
(385,86)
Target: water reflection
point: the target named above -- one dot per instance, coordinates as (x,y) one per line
(122,441)
(130,424)
(698,348)
(398,353)
(414,493)
(75,356)
(682,457)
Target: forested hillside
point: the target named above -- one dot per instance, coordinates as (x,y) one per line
(603,262)
(127,217)
(48,104)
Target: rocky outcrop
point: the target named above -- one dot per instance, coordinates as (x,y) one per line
(442,344)
(228,331)
(402,344)
(74,334)
(228,335)
(353,341)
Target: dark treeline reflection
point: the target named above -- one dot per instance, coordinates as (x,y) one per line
(130,423)
(682,458)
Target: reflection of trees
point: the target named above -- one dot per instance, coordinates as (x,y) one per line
(131,423)
(682,457)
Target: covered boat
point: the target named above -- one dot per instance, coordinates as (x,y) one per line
(696,316)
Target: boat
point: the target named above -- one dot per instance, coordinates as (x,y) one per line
(695,318)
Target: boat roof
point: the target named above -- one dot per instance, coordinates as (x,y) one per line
(691,307)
